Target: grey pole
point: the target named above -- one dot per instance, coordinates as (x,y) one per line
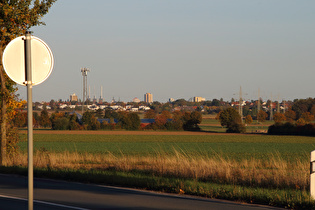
(84,74)
(28,79)
(312,175)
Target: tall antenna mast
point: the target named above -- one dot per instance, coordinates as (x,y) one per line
(258,104)
(84,72)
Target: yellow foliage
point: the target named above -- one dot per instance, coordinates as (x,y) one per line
(12,106)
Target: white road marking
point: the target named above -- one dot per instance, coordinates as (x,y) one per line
(44,202)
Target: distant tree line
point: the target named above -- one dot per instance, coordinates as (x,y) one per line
(298,114)
(111,120)
(297,120)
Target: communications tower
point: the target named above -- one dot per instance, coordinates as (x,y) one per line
(84,72)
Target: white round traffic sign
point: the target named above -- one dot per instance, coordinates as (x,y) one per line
(42,60)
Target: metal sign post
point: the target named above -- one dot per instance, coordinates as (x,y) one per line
(312,175)
(28,81)
(27,60)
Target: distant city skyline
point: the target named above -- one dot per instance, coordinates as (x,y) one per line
(180,49)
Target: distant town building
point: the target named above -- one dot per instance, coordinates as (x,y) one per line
(73,97)
(94,100)
(199,99)
(136,100)
(100,100)
(113,100)
(148,98)
(171,100)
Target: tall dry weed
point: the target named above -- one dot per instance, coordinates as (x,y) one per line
(274,172)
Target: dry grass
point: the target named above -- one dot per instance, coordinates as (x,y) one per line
(272,173)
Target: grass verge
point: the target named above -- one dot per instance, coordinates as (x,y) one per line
(288,198)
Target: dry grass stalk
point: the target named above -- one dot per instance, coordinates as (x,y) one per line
(274,172)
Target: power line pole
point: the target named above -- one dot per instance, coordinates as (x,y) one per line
(240,108)
(84,72)
(271,111)
(278,104)
(258,104)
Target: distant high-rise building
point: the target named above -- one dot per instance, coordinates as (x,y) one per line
(73,97)
(199,99)
(148,98)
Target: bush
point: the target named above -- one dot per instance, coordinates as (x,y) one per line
(90,122)
(61,124)
(135,121)
(129,121)
(73,122)
(236,128)
(292,129)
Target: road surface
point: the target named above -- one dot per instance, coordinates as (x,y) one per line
(57,195)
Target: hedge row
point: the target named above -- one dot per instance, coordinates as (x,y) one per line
(292,129)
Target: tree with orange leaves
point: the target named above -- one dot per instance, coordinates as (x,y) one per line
(16,17)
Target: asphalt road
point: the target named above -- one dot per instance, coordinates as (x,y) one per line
(57,195)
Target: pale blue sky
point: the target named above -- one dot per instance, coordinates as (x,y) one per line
(180,49)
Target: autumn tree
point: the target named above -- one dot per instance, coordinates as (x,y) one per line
(302,105)
(58,121)
(110,113)
(44,120)
(248,119)
(262,116)
(279,117)
(160,121)
(150,114)
(290,115)
(313,110)
(307,117)
(191,121)
(129,121)
(90,122)
(73,122)
(20,119)
(177,122)
(231,119)
(167,114)
(135,121)
(16,17)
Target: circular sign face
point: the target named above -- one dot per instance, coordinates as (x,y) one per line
(42,60)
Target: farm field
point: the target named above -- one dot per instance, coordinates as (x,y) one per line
(236,147)
(272,170)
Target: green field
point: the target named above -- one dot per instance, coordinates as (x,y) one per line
(276,174)
(228,146)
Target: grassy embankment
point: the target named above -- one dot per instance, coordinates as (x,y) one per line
(271,170)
